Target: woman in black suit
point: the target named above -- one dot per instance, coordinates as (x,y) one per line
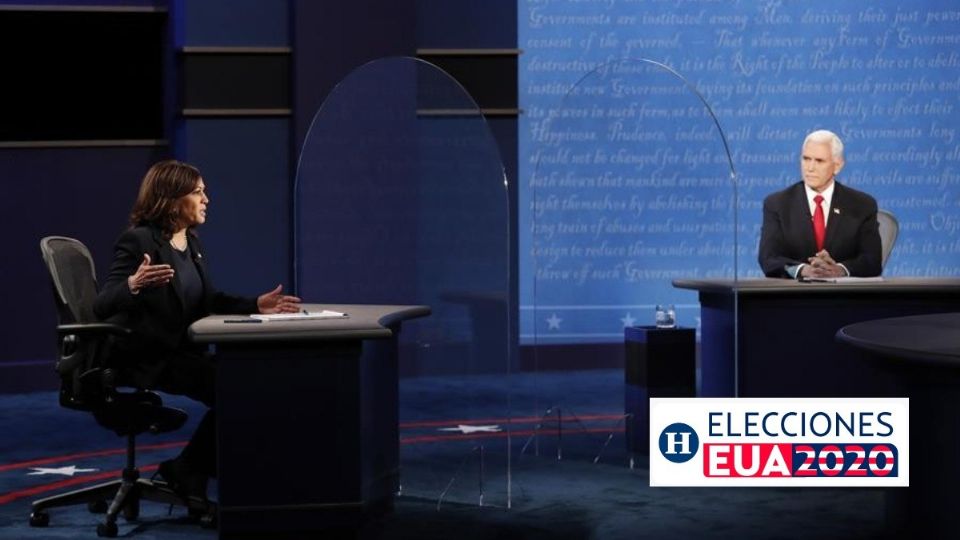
(157,286)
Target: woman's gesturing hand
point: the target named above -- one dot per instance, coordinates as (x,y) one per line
(277,302)
(149,275)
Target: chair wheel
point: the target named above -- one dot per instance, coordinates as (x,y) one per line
(97,507)
(209,521)
(107,530)
(39,519)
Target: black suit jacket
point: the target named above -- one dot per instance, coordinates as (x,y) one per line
(853,235)
(157,315)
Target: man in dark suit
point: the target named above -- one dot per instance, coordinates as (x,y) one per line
(819,228)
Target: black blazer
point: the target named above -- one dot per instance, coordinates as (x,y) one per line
(157,315)
(853,235)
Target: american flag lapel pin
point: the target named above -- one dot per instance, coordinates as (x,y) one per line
(836,211)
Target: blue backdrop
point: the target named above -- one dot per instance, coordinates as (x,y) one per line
(884,76)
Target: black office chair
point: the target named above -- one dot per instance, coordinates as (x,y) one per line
(90,381)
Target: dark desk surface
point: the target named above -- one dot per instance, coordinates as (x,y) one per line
(765,286)
(362,322)
(923,353)
(933,339)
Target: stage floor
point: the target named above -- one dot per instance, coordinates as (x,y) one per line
(441,471)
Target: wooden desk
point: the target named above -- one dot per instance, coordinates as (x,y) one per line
(785,333)
(307,424)
(922,352)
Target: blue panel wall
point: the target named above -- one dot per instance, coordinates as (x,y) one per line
(83,193)
(235,23)
(245,160)
(488,24)
(481,24)
(87,3)
(245,164)
(333,38)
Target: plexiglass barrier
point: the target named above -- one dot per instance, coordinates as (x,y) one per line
(632,192)
(401,198)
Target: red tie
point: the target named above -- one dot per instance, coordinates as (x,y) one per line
(819,228)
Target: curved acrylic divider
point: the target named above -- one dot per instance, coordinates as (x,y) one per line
(632,187)
(401,198)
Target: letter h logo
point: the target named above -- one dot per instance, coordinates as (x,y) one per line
(679,442)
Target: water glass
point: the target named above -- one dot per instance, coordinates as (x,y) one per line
(666,316)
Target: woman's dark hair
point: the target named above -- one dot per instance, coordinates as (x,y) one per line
(158,202)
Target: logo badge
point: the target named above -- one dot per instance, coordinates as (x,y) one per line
(679,442)
(779,442)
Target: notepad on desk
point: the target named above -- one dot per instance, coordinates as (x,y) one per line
(301,316)
(845,279)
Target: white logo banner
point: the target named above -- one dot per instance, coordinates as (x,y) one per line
(860,442)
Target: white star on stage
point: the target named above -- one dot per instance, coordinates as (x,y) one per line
(472,429)
(553,323)
(65,471)
(629,320)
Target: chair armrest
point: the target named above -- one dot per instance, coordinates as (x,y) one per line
(86,363)
(103,329)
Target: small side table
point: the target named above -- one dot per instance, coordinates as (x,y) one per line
(660,362)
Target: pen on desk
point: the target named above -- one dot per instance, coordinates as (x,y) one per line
(305,312)
(226,321)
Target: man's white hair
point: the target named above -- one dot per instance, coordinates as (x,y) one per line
(826,136)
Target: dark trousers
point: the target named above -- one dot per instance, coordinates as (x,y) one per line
(186,372)
(194,375)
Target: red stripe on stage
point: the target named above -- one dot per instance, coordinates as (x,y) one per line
(519,420)
(86,479)
(84,455)
(499,434)
(43,488)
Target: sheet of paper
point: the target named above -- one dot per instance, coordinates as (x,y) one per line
(303,315)
(845,280)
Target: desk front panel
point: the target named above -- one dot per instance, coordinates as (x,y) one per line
(307,434)
(786,340)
